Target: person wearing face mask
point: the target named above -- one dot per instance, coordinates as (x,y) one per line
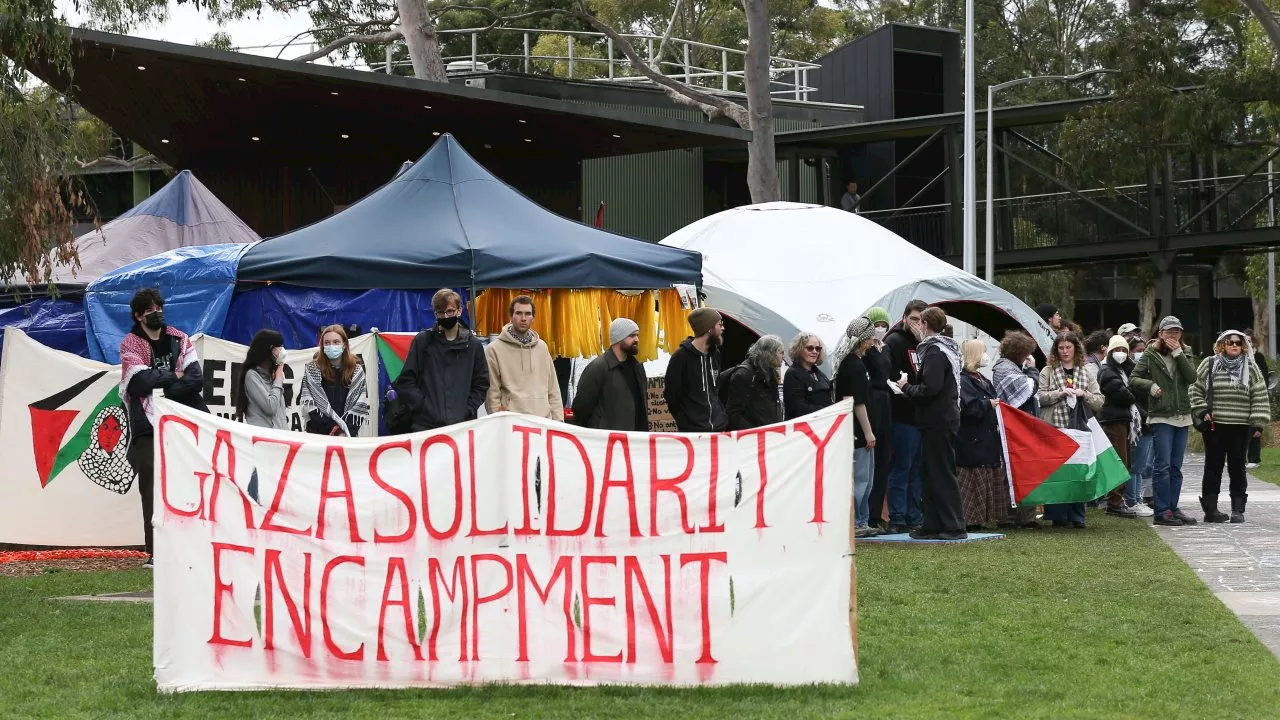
(880,409)
(335,394)
(612,393)
(259,398)
(1121,418)
(1165,373)
(154,355)
(984,490)
(522,376)
(445,375)
(904,474)
(1230,398)
(751,389)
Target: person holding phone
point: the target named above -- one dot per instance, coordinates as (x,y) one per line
(260,396)
(1165,374)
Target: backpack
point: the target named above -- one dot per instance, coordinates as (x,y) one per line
(722,383)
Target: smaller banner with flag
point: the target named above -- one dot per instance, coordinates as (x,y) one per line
(1048,465)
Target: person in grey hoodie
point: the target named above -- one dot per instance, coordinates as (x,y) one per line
(260,397)
(690,391)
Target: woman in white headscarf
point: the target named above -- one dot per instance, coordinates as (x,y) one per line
(1229,396)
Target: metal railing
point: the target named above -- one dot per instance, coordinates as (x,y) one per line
(591,56)
(1108,215)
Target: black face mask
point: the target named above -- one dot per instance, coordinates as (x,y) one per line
(447,323)
(155,320)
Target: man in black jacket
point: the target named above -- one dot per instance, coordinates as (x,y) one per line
(936,394)
(445,375)
(613,392)
(904,472)
(691,391)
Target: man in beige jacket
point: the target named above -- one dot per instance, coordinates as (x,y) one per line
(522,377)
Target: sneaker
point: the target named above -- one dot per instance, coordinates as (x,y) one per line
(1168,518)
(865,531)
(953,535)
(1185,520)
(896,530)
(922,535)
(150,564)
(1250,466)
(1077,525)
(914,528)
(1123,511)
(1142,511)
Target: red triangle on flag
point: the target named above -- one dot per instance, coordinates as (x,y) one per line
(398,342)
(1035,449)
(47,429)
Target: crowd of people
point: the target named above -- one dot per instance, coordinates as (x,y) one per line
(927,442)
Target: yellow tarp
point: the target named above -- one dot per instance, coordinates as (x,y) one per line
(575,323)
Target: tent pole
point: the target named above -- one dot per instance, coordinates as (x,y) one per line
(475,322)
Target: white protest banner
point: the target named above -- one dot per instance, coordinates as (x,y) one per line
(222,362)
(505,549)
(66,480)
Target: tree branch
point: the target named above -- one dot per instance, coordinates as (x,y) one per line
(655,62)
(381,38)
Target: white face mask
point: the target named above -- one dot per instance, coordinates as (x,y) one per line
(279,355)
(1120,356)
(1137,356)
(881,332)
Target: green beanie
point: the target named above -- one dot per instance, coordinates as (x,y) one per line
(878,315)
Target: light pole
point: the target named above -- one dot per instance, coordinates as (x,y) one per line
(970,257)
(990,272)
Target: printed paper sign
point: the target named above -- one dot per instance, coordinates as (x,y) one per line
(506,549)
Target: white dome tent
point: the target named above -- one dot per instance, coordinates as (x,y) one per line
(782,267)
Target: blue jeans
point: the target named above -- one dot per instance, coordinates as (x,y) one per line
(1139,464)
(1065,512)
(864,476)
(1168,445)
(904,477)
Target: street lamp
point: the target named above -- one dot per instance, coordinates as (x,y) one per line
(991,152)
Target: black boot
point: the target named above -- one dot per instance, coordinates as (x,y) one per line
(1237,508)
(1211,514)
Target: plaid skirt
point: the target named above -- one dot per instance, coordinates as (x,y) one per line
(984,493)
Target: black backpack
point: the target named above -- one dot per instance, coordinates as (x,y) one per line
(722,383)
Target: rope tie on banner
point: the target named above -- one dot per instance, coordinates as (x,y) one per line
(72,554)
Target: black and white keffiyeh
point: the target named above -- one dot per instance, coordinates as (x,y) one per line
(313,397)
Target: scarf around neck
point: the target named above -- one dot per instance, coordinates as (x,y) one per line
(1236,367)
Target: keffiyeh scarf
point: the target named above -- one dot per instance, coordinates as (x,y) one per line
(135,356)
(313,397)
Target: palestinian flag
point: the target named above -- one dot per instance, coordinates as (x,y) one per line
(393,348)
(1048,465)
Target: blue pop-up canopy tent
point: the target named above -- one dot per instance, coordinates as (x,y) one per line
(182,214)
(443,222)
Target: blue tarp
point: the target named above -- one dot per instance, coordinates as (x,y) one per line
(52,322)
(196,282)
(299,313)
(447,222)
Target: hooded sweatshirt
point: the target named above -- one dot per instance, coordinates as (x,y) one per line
(900,343)
(937,392)
(690,389)
(522,377)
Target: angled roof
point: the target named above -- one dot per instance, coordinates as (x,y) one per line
(447,222)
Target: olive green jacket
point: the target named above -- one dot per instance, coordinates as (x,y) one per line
(1152,370)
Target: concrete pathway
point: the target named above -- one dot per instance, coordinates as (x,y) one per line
(1239,563)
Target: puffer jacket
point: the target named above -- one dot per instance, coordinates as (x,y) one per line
(1118,397)
(690,391)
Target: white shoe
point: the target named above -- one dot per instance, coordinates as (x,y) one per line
(1251,466)
(1142,510)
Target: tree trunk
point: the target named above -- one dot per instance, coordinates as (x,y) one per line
(424,44)
(762,161)
(1147,311)
(1261,322)
(1266,18)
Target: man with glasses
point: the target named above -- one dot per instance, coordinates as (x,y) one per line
(1165,373)
(445,375)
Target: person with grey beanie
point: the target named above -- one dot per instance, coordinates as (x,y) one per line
(613,392)
(852,381)
(691,392)
(1165,374)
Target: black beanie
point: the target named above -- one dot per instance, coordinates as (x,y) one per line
(1046,311)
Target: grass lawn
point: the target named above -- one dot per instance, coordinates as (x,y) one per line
(1103,623)
(1269,470)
